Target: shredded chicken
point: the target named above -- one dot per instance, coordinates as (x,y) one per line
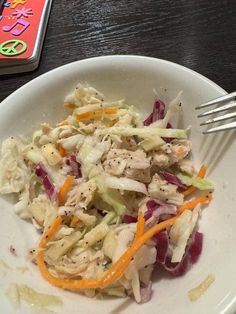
(187,166)
(171,153)
(82,194)
(132,164)
(162,190)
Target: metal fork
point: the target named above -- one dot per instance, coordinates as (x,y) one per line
(229,103)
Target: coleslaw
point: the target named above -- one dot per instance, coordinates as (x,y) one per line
(114,196)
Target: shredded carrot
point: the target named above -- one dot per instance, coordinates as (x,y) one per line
(69,105)
(64,122)
(201,174)
(64,189)
(61,150)
(203,199)
(74,221)
(96,114)
(64,283)
(110,110)
(113,122)
(140,225)
(50,232)
(202,171)
(113,274)
(83,116)
(61,283)
(118,268)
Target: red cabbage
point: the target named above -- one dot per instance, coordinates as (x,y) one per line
(75,166)
(158,113)
(41,172)
(157,208)
(173,179)
(190,257)
(158,110)
(195,247)
(151,207)
(128,219)
(146,292)
(162,244)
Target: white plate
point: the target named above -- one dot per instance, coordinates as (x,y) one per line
(135,78)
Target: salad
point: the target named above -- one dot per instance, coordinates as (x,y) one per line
(114,197)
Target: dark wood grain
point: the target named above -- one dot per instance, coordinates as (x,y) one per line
(199,34)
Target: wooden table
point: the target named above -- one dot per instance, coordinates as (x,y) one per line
(199,34)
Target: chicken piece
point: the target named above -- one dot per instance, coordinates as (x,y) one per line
(86,263)
(81,195)
(67,266)
(137,159)
(137,174)
(128,143)
(171,153)
(161,160)
(71,269)
(115,166)
(164,191)
(132,164)
(187,166)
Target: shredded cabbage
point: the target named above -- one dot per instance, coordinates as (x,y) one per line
(96,234)
(51,154)
(59,248)
(181,231)
(174,106)
(109,244)
(36,298)
(109,196)
(151,142)
(72,142)
(125,184)
(201,184)
(144,132)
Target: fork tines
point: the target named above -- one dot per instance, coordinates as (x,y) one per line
(228,106)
